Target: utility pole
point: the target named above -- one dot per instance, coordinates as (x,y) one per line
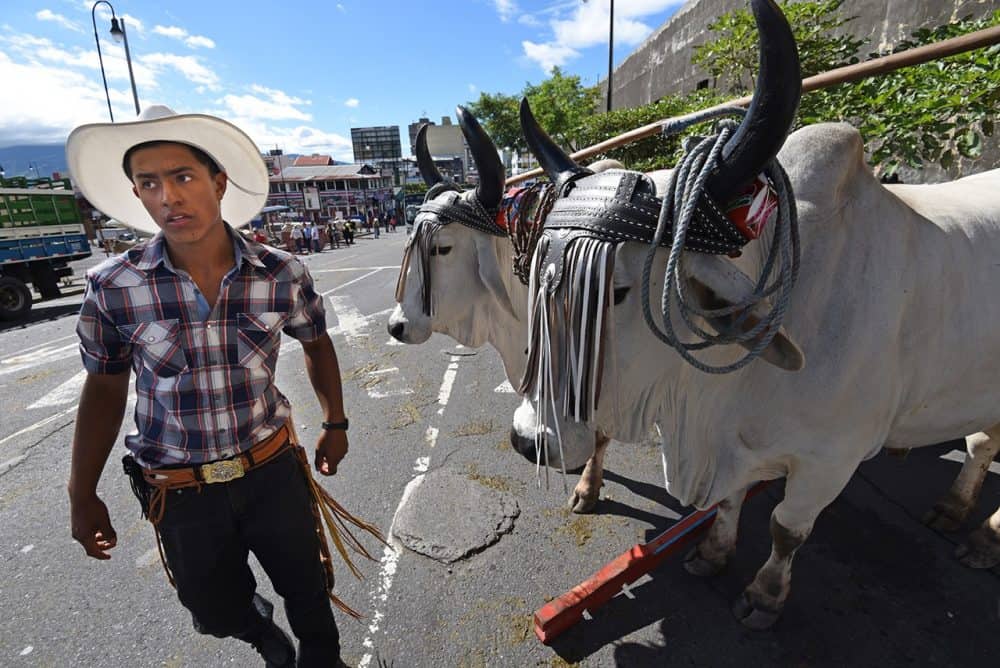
(611,49)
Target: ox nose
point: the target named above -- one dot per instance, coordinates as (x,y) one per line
(396,330)
(524,446)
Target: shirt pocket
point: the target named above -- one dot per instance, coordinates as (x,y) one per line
(159,345)
(257,336)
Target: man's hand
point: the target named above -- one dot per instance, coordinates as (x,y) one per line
(91,526)
(330,449)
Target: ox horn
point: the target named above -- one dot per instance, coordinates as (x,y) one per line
(772,111)
(428,170)
(557,165)
(484,153)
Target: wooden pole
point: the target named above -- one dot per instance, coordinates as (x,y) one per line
(848,73)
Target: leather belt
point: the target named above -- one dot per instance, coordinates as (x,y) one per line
(223,470)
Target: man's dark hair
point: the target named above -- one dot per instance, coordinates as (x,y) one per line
(200,155)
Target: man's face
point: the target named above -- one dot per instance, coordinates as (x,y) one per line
(178,191)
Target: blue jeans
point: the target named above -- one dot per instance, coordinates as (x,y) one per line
(207,537)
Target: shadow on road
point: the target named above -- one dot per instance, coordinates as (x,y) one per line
(872,586)
(42,313)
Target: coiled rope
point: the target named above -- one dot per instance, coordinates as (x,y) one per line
(686,187)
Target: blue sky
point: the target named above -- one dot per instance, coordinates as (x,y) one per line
(293,73)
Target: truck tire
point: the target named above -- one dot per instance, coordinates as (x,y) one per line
(15,298)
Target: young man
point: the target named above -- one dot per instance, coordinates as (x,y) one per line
(197,313)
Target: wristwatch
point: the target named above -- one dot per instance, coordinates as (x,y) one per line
(336,425)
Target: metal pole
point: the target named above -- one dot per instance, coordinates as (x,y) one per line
(100,58)
(846,74)
(611,49)
(128,59)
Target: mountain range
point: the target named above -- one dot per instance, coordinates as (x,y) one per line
(33,160)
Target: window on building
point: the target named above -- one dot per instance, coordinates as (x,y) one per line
(703,84)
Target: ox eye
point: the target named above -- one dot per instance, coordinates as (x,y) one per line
(620,294)
(440,250)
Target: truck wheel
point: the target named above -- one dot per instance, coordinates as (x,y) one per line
(15,298)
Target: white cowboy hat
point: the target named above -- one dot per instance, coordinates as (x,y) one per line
(94,154)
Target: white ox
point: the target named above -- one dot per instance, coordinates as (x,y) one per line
(894,313)
(478,299)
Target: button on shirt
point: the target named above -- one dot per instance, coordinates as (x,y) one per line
(204,383)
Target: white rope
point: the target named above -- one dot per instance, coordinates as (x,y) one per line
(686,187)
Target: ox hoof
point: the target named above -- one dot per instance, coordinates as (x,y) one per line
(695,564)
(982,550)
(582,504)
(753,617)
(943,518)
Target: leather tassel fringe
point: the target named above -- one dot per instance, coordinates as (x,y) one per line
(337,521)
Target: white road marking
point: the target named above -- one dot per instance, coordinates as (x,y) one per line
(505,388)
(27,548)
(351,282)
(47,343)
(350,321)
(375,394)
(27,650)
(386,574)
(340,269)
(390,556)
(64,394)
(44,355)
(41,423)
(446,385)
(960,455)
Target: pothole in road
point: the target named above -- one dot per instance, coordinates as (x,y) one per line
(449,517)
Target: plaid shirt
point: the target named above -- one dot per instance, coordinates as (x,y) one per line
(204,387)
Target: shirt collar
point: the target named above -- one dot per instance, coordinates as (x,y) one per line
(155,253)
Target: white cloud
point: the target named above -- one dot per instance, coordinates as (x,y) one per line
(528,20)
(39,114)
(505,8)
(49,15)
(173,32)
(472,88)
(199,41)
(268,104)
(178,33)
(548,55)
(340,8)
(33,50)
(299,139)
(188,66)
(352,102)
(586,25)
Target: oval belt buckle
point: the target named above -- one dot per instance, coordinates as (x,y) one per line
(223,471)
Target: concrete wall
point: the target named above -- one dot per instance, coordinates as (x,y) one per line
(661,65)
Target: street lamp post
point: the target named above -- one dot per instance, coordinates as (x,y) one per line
(611,49)
(119,35)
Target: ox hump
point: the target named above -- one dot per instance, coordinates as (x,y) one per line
(822,160)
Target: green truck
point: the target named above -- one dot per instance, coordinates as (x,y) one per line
(41,232)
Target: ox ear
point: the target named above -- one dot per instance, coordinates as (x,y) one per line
(489,272)
(717,283)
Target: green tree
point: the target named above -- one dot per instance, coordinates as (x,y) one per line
(560,103)
(731,54)
(498,114)
(927,113)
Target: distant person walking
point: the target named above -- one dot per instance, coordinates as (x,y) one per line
(297,238)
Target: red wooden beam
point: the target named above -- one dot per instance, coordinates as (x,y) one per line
(563,612)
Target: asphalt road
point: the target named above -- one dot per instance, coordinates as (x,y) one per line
(873,586)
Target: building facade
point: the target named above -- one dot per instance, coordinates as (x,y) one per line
(321,192)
